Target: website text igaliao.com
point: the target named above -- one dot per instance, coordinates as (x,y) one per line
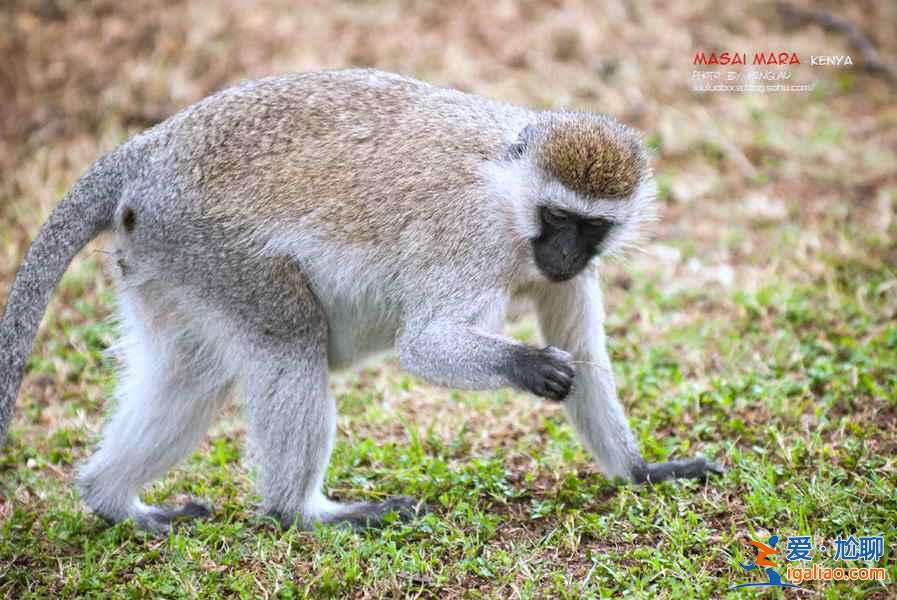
(817,572)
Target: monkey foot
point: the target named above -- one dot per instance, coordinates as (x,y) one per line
(365,515)
(689,468)
(162,518)
(373,515)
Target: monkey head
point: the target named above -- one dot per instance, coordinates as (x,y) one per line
(583,189)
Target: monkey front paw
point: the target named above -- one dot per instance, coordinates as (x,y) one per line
(547,373)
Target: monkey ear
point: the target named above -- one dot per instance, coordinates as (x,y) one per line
(518,148)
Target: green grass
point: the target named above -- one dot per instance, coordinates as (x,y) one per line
(792,385)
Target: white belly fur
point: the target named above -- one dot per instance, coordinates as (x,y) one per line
(357,327)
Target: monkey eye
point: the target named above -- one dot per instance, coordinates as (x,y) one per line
(554,216)
(597,228)
(599,223)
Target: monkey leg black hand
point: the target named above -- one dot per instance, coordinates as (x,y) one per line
(461,356)
(688,468)
(547,373)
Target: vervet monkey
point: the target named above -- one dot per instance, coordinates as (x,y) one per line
(292,225)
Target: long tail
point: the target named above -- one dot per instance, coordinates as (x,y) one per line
(85,211)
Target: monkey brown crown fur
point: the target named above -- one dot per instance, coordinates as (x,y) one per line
(597,157)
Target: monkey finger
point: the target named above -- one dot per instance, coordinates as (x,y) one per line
(554,391)
(562,385)
(715,468)
(560,381)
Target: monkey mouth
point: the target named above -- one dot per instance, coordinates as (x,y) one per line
(560,273)
(559,264)
(558,277)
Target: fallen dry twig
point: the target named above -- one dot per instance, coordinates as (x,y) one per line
(872,63)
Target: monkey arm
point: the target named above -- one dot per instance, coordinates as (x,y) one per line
(461,355)
(571,316)
(455,355)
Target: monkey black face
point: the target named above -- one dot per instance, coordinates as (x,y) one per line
(568,242)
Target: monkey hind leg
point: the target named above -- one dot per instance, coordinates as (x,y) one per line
(290,410)
(170,388)
(292,421)
(292,425)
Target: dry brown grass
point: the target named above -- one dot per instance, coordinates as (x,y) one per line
(79,77)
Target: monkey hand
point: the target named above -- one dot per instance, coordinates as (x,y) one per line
(547,372)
